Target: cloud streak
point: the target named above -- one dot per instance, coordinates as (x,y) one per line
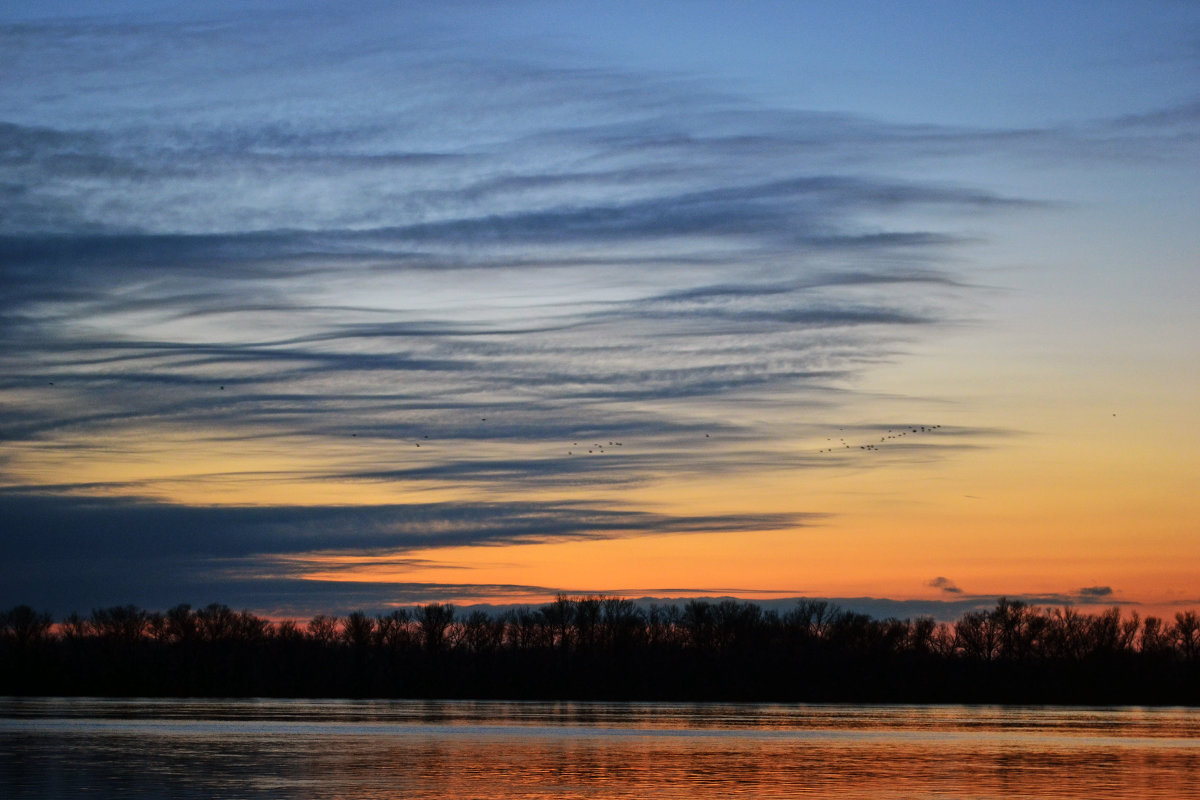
(170,553)
(405,263)
(469,280)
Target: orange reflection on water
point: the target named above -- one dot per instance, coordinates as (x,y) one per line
(388,750)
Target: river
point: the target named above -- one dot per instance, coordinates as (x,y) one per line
(69,748)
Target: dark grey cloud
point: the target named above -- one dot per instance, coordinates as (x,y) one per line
(300,598)
(56,546)
(41,525)
(570,355)
(797,211)
(362,241)
(166,586)
(945,584)
(1184,114)
(726,291)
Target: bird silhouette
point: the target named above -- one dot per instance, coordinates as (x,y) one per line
(891,434)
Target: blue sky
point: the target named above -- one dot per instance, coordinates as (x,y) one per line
(360,291)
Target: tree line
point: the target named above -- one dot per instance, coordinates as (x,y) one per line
(612,649)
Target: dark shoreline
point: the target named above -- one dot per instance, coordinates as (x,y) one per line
(608,649)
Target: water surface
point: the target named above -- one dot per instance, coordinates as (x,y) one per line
(60,748)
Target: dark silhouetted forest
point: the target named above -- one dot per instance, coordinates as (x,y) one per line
(607,648)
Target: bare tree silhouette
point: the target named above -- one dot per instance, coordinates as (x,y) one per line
(434,619)
(609,647)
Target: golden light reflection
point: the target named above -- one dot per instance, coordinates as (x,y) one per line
(546,751)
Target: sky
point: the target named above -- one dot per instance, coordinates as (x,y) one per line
(309,309)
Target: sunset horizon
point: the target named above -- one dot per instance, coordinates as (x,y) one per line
(305,311)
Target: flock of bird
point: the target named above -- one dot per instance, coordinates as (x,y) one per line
(895,433)
(594,448)
(598,447)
